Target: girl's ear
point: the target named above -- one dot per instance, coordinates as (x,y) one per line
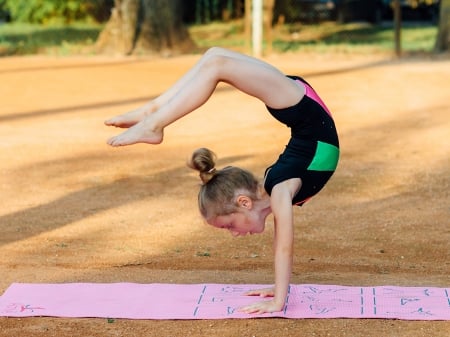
(244,201)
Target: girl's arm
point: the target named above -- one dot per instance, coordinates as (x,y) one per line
(281,203)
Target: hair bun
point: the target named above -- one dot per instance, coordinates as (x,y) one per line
(204,161)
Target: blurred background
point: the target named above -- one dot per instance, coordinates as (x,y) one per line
(75,210)
(170,27)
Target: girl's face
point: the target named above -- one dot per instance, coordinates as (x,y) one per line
(240,223)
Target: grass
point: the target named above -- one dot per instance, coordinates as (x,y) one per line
(21,39)
(325,37)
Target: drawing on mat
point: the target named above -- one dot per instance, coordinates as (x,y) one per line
(221,301)
(323,301)
(18,307)
(224,296)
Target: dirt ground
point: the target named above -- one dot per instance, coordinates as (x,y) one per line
(76,210)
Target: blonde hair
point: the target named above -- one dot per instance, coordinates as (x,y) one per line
(219,187)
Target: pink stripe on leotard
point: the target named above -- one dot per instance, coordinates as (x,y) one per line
(312,94)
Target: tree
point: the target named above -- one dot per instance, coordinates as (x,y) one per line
(145,26)
(397,26)
(443,37)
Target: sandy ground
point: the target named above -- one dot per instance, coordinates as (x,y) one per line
(74,209)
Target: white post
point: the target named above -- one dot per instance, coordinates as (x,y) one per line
(257,27)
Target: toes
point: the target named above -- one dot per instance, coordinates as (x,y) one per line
(114,141)
(120,141)
(110,141)
(111,121)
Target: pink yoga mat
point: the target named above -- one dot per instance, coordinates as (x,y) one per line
(220,301)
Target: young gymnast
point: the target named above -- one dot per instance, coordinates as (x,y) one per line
(232,198)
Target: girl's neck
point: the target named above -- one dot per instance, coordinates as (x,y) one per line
(264,201)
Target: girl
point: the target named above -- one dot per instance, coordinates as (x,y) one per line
(232,198)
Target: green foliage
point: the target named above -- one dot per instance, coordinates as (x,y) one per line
(25,38)
(21,38)
(328,37)
(359,37)
(51,11)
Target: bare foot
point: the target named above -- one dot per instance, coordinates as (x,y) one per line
(139,133)
(131,118)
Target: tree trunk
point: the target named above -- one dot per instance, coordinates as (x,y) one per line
(443,37)
(398,27)
(145,26)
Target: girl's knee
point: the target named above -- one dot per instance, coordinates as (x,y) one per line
(215,58)
(217,63)
(215,51)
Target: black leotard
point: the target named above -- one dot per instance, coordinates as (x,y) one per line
(313,150)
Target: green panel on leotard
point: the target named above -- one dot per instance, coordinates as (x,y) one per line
(325,158)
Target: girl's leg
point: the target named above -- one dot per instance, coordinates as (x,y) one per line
(245,73)
(130,118)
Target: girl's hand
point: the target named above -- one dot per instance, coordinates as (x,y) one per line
(262,307)
(268,292)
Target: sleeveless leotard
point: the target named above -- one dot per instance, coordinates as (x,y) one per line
(312,153)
